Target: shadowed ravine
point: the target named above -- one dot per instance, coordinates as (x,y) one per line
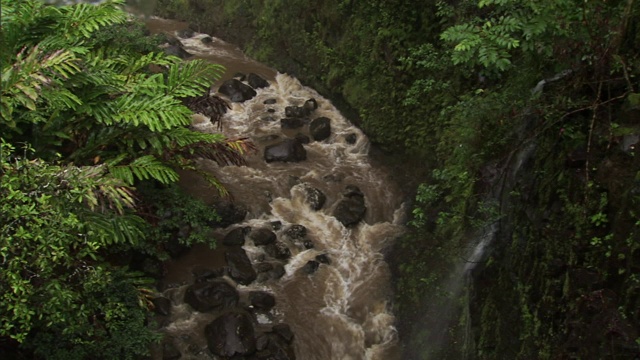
(341,310)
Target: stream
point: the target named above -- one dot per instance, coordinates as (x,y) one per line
(337,307)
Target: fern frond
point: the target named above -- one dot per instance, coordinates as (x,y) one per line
(83,19)
(144,168)
(121,229)
(192,78)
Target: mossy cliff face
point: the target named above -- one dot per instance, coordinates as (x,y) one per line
(561,278)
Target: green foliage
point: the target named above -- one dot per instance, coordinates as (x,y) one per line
(48,234)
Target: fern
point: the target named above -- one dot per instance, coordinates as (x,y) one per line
(142,168)
(192,78)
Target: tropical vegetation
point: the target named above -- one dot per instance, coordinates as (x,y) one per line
(92,111)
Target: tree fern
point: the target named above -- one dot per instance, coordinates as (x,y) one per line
(142,168)
(192,78)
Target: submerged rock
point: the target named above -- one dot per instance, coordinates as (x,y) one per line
(351,209)
(256,81)
(211,295)
(289,150)
(236,90)
(231,334)
(320,128)
(240,268)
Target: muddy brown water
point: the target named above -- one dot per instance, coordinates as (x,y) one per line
(342,311)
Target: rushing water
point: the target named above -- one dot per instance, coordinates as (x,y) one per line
(342,311)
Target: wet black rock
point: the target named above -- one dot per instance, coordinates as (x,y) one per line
(240,268)
(262,236)
(206,40)
(291,123)
(296,232)
(284,331)
(211,295)
(236,90)
(256,81)
(170,351)
(323,259)
(161,305)
(229,212)
(289,150)
(311,267)
(320,128)
(302,138)
(296,111)
(186,33)
(262,300)
(270,101)
(231,334)
(351,209)
(240,76)
(277,272)
(236,237)
(202,274)
(263,267)
(310,105)
(278,250)
(177,50)
(315,198)
(351,139)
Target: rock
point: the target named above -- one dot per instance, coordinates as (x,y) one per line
(185,33)
(257,82)
(262,300)
(320,128)
(240,268)
(315,198)
(229,212)
(289,150)
(170,351)
(206,40)
(308,244)
(278,250)
(240,76)
(277,272)
(177,50)
(276,225)
(202,274)
(263,267)
(302,138)
(211,295)
(273,347)
(284,331)
(323,259)
(351,139)
(262,236)
(270,101)
(296,111)
(291,123)
(296,232)
(351,209)
(310,105)
(310,267)
(236,237)
(231,334)
(161,305)
(236,90)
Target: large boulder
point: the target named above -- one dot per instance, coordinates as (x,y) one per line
(257,82)
(296,111)
(231,334)
(320,128)
(211,295)
(240,268)
(177,50)
(291,123)
(236,237)
(278,250)
(229,213)
(262,300)
(315,198)
(262,236)
(351,209)
(236,90)
(289,150)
